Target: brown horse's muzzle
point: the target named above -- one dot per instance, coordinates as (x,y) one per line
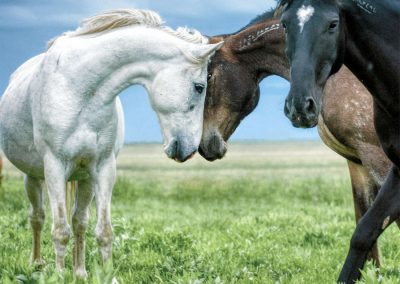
(212,146)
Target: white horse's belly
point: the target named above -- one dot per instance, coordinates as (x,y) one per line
(82,150)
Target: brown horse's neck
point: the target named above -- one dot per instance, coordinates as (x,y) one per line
(261,48)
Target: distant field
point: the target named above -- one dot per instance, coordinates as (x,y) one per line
(267,213)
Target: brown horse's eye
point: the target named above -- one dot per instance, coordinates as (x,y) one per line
(209,76)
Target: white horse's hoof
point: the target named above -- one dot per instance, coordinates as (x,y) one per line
(81,273)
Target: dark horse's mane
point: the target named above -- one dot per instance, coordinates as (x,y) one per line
(284,2)
(267,15)
(262,17)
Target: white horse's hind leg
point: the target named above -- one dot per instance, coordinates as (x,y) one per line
(103,231)
(80,219)
(34,191)
(56,181)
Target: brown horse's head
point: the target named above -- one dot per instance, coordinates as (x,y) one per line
(232,93)
(234,74)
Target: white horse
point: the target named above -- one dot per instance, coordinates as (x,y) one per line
(61,119)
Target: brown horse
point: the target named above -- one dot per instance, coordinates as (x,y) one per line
(256,52)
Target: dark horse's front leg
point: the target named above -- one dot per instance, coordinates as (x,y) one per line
(384,210)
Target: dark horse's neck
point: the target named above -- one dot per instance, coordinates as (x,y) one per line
(372,48)
(260,47)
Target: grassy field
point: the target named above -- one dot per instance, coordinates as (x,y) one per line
(267,213)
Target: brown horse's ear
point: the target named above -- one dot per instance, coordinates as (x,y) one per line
(215,39)
(226,50)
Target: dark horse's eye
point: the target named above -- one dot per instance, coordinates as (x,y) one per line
(284,25)
(333,25)
(199,88)
(209,76)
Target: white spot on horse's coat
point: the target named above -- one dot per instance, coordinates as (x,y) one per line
(304,14)
(377,177)
(385,222)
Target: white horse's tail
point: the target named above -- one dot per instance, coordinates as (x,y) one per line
(1,171)
(70,197)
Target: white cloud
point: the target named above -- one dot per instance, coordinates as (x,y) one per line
(70,12)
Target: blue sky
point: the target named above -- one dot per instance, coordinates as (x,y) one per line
(26,26)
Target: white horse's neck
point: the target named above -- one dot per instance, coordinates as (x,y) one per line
(104,65)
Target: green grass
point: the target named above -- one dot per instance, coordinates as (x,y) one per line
(268,213)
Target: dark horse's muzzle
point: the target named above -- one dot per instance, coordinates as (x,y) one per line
(302,111)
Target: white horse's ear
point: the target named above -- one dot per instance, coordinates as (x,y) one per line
(203,52)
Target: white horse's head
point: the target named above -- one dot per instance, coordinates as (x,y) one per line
(172,65)
(177,95)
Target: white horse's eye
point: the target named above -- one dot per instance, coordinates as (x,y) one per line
(199,88)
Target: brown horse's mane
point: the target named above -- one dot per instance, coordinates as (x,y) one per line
(249,37)
(253,34)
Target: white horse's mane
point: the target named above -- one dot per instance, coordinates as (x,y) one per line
(126,17)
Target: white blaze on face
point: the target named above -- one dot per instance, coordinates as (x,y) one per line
(304,14)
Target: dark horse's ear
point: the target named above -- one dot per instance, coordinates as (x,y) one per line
(340,50)
(283,4)
(279,10)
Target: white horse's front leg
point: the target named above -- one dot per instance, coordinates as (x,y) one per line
(103,191)
(80,220)
(34,191)
(55,178)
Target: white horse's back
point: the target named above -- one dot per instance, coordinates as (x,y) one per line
(16,118)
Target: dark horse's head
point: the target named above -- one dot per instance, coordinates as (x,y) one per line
(315,49)
(232,94)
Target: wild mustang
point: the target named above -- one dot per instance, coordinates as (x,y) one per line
(364,35)
(69,119)
(257,51)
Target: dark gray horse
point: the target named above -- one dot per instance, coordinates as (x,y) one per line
(364,35)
